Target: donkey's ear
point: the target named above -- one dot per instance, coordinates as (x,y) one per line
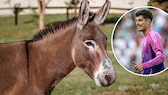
(101,15)
(83,14)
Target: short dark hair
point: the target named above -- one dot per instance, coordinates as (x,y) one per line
(145,13)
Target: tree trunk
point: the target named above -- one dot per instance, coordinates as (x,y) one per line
(41,4)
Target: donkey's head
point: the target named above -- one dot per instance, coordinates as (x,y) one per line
(89,46)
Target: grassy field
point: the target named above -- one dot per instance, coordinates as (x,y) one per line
(77,82)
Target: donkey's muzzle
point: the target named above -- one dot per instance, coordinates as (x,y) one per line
(106,79)
(105,76)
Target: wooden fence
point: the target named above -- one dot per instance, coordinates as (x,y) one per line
(16,10)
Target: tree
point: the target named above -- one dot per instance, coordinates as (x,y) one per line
(162,4)
(41,6)
(73,3)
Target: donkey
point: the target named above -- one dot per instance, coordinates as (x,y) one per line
(35,66)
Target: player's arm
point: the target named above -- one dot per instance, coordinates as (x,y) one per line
(157,46)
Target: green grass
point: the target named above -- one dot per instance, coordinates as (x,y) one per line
(26,28)
(77,82)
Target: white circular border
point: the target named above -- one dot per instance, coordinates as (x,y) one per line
(113,41)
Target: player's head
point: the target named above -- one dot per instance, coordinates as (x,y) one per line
(143,19)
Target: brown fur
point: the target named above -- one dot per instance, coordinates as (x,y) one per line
(34,67)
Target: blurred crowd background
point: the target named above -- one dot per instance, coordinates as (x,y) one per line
(127,40)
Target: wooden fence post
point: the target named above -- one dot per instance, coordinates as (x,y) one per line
(16,15)
(16,11)
(67,13)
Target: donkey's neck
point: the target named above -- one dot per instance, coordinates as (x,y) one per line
(50,58)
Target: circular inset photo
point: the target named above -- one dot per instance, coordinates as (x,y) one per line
(140,41)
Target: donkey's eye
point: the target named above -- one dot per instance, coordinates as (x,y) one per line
(90,44)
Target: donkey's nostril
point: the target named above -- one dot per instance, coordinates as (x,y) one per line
(108,78)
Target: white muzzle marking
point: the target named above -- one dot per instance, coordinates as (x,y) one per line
(105,75)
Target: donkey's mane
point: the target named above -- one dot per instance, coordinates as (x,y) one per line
(54,28)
